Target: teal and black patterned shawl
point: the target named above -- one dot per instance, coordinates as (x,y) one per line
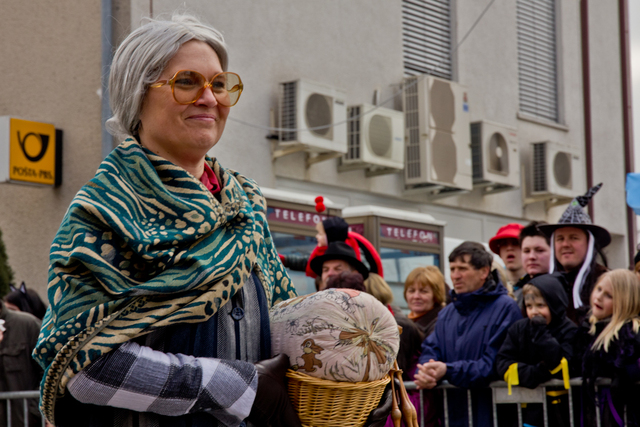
(145,245)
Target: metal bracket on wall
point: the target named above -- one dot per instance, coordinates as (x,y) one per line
(549,201)
(280,152)
(313,158)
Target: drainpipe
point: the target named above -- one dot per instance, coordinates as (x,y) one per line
(586,94)
(107,53)
(627,115)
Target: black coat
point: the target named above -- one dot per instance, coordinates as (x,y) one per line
(620,364)
(537,347)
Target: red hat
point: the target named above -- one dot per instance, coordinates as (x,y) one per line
(509,231)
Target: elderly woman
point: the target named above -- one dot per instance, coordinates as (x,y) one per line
(424,291)
(163,269)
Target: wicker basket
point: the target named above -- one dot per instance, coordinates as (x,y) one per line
(333,404)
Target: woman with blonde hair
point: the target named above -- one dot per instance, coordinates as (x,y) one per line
(424,291)
(614,353)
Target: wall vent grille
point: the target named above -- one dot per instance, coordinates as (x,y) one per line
(412,127)
(289,109)
(476,151)
(540,167)
(354,135)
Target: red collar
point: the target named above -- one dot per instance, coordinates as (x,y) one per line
(210,180)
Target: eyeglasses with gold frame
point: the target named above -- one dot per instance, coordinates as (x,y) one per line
(187,87)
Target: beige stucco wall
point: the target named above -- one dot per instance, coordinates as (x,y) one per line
(50,69)
(51,55)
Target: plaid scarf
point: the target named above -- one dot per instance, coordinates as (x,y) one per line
(145,245)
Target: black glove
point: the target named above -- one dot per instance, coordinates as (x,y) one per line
(378,417)
(272,406)
(545,346)
(538,327)
(538,321)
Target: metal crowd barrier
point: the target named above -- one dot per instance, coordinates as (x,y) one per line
(8,396)
(499,396)
(519,395)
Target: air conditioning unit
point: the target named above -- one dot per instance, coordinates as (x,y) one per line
(554,171)
(375,140)
(438,156)
(313,117)
(495,155)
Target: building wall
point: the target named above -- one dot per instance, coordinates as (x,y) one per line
(607,126)
(354,45)
(51,73)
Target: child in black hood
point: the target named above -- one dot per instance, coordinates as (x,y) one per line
(540,347)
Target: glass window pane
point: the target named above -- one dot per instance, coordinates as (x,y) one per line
(292,244)
(397,264)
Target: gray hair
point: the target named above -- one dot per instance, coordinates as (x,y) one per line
(140,60)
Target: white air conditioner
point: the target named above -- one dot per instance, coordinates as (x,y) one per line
(438,156)
(375,139)
(554,171)
(314,116)
(495,154)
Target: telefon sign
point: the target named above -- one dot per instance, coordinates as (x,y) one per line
(30,152)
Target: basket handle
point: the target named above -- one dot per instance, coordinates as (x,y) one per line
(408,410)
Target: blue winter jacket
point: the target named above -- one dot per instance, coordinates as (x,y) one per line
(467,337)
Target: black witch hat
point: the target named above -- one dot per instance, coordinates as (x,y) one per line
(575,216)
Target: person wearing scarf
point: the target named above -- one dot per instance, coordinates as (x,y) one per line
(164,269)
(575,242)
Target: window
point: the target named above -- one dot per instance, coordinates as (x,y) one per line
(298,245)
(537,58)
(426,37)
(398,263)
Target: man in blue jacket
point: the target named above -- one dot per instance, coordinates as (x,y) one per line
(468,335)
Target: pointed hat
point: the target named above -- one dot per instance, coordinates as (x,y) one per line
(576,217)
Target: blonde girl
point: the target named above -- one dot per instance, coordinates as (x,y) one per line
(616,296)
(614,353)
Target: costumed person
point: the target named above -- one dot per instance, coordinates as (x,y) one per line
(540,347)
(613,352)
(163,270)
(333,229)
(535,249)
(576,242)
(339,257)
(506,245)
(26,300)
(468,334)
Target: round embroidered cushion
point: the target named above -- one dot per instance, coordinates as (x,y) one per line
(336,334)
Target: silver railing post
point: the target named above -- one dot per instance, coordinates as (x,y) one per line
(469,407)
(25,411)
(597,407)
(421,408)
(520,422)
(446,409)
(545,408)
(571,422)
(494,407)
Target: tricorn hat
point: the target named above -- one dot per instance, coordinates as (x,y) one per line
(575,216)
(341,251)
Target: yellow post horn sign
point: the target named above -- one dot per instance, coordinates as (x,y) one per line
(30,152)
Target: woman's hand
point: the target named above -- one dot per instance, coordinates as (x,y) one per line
(272,406)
